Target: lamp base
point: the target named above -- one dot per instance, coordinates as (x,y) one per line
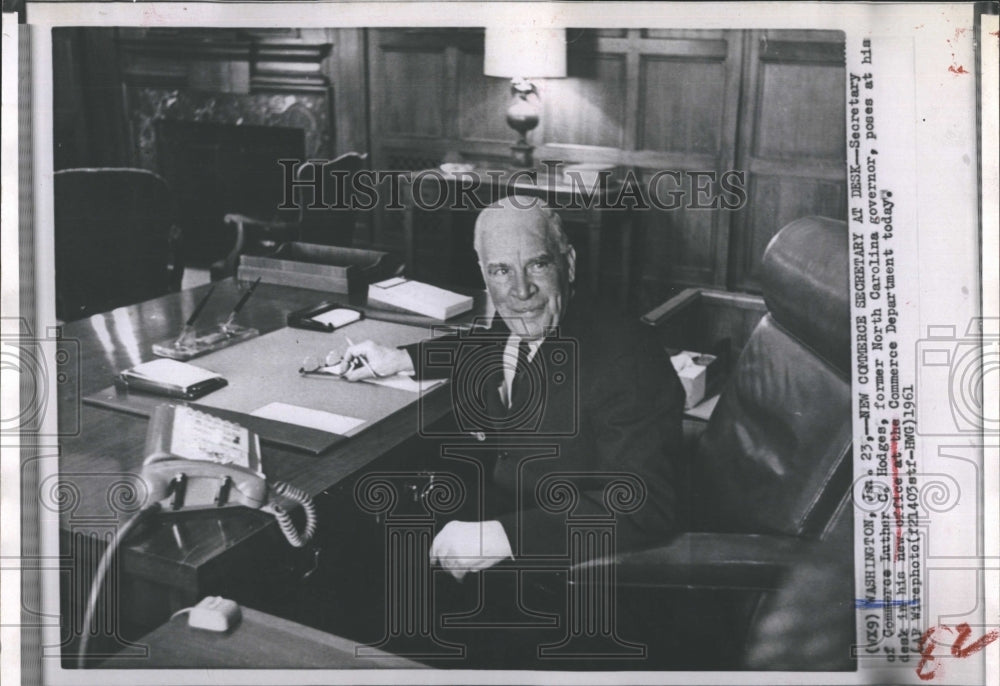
(521,155)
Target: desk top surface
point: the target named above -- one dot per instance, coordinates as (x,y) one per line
(260,641)
(101,450)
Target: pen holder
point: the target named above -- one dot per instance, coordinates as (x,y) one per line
(192,344)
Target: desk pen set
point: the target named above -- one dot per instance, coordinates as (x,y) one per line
(192,343)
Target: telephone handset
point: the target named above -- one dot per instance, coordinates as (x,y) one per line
(195,461)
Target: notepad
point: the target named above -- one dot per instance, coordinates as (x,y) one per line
(338,317)
(307,417)
(171,372)
(419,297)
(171,378)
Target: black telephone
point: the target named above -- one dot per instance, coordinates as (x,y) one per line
(195,461)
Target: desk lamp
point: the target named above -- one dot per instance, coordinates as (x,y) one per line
(521,54)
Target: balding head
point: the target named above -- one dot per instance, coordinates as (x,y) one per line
(527,263)
(519,213)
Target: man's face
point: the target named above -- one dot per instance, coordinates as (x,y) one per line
(528,280)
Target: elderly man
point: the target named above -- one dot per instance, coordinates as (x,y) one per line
(619,410)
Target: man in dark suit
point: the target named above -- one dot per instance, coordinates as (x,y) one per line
(556,389)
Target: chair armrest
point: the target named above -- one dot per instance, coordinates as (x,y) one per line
(705,297)
(705,560)
(241,220)
(680,302)
(272,230)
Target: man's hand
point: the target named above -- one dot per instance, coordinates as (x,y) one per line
(462,547)
(383,360)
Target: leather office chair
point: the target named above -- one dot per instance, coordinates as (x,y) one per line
(763,576)
(117,242)
(324,226)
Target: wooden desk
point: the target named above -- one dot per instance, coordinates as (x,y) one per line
(489,185)
(179,559)
(260,641)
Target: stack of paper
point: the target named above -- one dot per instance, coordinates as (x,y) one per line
(171,372)
(170,378)
(422,298)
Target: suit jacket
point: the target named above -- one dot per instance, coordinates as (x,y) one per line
(600,398)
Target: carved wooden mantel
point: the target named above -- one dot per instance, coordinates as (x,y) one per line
(227,76)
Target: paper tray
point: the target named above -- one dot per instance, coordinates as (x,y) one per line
(319,267)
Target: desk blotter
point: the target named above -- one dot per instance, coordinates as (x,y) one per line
(265,370)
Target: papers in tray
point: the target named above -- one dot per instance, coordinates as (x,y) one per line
(337,317)
(419,297)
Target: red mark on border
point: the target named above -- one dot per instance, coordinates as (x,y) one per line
(956,68)
(897,497)
(928,665)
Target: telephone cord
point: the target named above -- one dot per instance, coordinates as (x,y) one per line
(102,571)
(299,496)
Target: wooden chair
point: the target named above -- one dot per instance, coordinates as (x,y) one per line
(117,241)
(332,224)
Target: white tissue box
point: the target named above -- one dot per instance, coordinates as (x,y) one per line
(693,370)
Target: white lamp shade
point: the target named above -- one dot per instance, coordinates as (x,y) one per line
(525,53)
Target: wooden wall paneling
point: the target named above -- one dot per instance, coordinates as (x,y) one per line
(89,123)
(794,119)
(633,92)
(588,107)
(400,141)
(482,101)
(791,139)
(767,103)
(346,68)
(779,200)
(394,145)
(727,152)
(415,85)
(70,139)
(673,89)
(685,121)
(695,34)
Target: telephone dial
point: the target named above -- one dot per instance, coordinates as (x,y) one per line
(196,461)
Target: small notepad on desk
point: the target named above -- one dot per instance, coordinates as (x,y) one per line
(171,378)
(419,297)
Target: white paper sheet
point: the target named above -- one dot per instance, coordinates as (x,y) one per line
(337,317)
(312,419)
(403,382)
(168,371)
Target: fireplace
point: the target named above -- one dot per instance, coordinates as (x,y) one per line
(217,139)
(215,169)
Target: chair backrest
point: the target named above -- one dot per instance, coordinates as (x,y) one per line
(333,225)
(115,239)
(775,457)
